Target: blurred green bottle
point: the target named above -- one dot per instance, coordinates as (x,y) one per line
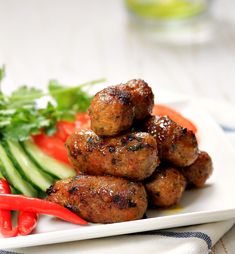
(163,10)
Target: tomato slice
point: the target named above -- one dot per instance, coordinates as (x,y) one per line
(64,129)
(52,146)
(83,121)
(162,110)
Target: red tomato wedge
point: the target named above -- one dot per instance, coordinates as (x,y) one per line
(64,129)
(83,121)
(162,110)
(52,146)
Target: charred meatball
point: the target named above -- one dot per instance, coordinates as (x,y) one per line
(100,199)
(141,96)
(197,173)
(114,109)
(176,144)
(132,155)
(111,111)
(165,187)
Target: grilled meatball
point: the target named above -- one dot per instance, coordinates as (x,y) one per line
(165,187)
(141,96)
(111,111)
(197,173)
(100,199)
(176,144)
(114,108)
(132,155)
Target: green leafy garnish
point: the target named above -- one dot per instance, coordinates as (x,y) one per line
(69,100)
(20,117)
(2,73)
(24,96)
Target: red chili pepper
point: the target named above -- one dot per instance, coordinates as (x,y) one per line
(9,233)
(5,220)
(27,221)
(4,187)
(23,203)
(5,215)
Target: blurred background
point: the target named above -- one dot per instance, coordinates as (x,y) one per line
(186,47)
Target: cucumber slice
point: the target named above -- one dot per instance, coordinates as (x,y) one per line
(46,162)
(36,177)
(9,172)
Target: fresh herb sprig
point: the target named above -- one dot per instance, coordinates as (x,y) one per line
(20,116)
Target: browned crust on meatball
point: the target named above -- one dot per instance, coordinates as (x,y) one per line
(141,96)
(111,111)
(114,108)
(176,144)
(197,173)
(133,155)
(165,187)
(100,199)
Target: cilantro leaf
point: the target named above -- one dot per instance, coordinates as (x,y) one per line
(69,100)
(29,121)
(2,73)
(24,96)
(20,117)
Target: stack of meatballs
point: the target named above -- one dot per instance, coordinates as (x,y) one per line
(130,159)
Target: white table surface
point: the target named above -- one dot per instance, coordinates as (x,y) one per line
(74,41)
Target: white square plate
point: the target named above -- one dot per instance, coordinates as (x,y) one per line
(214,202)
